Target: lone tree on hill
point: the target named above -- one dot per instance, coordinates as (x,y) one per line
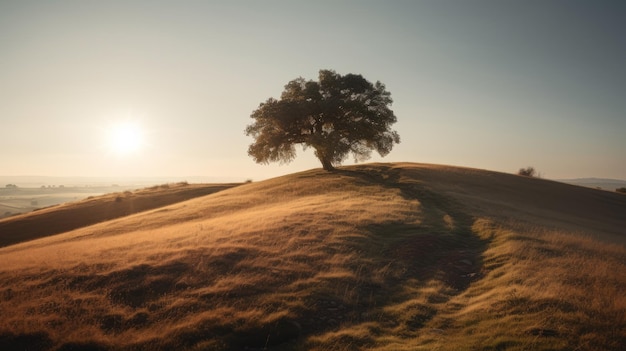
(337,116)
(527,172)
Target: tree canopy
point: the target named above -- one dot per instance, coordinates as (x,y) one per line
(337,116)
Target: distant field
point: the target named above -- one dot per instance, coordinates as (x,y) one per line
(95,209)
(373,257)
(598,183)
(21,200)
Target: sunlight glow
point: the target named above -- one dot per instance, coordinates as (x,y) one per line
(125,138)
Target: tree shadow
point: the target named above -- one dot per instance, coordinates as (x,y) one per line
(442,247)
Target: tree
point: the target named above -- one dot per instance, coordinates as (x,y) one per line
(527,172)
(337,116)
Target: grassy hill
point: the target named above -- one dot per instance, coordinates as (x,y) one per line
(371,257)
(14,201)
(68,216)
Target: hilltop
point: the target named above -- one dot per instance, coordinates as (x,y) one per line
(370,257)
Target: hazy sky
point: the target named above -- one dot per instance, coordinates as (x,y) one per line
(495,84)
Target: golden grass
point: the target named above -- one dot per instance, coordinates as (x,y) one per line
(376,257)
(65,217)
(538,291)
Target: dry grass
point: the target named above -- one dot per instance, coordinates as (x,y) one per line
(65,217)
(537,291)
(378,257)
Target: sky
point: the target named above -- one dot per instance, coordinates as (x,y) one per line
(166,88)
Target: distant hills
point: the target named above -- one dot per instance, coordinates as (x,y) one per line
(597,183)
(38,181)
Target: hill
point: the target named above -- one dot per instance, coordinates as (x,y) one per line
(371,257)
(68,216)
(598,183)
(14,201)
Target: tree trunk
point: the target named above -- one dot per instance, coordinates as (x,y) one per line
(327,165)
(320,153)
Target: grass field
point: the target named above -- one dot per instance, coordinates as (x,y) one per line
(371,257)
(14,201)
(94,209)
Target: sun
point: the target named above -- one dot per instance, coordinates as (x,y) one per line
(125,138)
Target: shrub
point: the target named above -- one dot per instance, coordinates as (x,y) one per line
(621,190)
(527,172)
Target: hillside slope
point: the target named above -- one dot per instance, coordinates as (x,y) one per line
(65,217)
(372,257)
(532,200)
